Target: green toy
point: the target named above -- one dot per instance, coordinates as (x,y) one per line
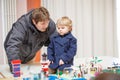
(95,60)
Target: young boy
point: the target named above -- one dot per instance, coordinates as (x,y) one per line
(63,47)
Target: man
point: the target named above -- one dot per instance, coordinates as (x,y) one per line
(28,34)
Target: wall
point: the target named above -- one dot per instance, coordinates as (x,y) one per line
(1,35)
(94,24)
(10,11)
(21,7)
(31,4)
(118,24)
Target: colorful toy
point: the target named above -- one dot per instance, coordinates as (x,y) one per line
(44,57)
(44,64)
(16,67)
(95,60)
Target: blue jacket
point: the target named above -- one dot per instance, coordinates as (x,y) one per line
(62,47)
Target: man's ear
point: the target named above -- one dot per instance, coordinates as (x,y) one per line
(33,21)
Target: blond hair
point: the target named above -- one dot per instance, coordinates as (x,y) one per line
(65,21)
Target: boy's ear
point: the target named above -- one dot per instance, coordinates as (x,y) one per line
(33,21)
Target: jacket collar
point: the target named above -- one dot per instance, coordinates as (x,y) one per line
(63,39)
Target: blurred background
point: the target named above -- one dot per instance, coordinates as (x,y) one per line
(96,23)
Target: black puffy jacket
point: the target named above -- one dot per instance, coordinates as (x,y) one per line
(24,40)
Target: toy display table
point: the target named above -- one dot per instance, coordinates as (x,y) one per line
(32,69)
(27,69)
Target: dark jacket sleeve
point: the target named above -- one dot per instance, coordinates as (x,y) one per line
(52,31)
(13,42)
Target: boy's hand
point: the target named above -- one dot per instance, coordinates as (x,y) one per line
(49,62)
(61,62)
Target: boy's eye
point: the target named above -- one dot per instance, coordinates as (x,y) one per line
(61,27)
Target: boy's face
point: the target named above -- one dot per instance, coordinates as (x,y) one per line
(42,26)
(62,30)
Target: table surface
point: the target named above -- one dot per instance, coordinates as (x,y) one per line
(25,70)
(36,68)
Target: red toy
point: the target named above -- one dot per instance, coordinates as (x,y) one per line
(16,67)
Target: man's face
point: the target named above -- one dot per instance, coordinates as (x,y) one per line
(42,26)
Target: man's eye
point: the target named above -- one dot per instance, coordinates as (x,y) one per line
(43,23)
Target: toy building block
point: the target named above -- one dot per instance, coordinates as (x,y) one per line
(44,57)
(44,66)
(16,67)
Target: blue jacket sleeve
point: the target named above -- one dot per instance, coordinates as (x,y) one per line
(69,55)
(50,51)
